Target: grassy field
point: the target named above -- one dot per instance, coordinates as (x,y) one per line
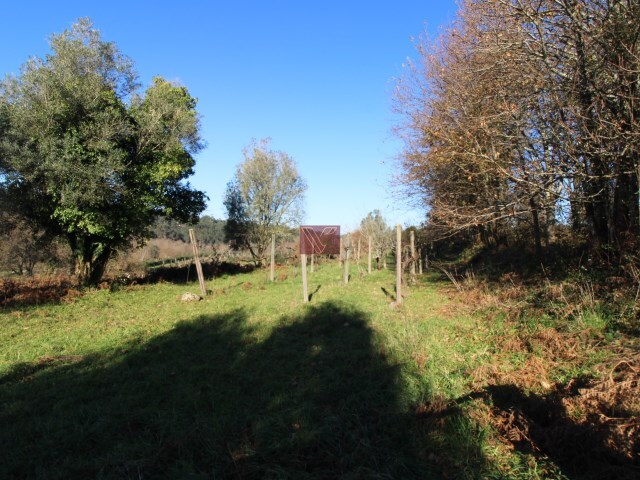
(252,383)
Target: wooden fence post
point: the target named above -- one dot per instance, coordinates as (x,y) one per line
(305,288)
(413,255)
(272,274)
(313,257)
(398,264)
(369,263)
(346,259)
(196,257)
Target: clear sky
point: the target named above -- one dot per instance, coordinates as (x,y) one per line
(315,76)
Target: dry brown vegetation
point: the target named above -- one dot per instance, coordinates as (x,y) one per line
(36,290)
(522,117)
(127,268)
(565,389)
(586,425)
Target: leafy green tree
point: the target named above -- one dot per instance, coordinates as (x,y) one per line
(89,158)
(210,231)
(236,229)
(375,226)
(265,197)
(170,229)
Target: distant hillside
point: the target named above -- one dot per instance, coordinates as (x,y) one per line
(208,230)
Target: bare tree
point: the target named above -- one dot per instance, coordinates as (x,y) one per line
(22,246)
(525,113)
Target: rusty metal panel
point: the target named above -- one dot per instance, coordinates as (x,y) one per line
(320,239)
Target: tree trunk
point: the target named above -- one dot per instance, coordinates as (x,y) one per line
(597,209)
(536,227)
(91,263)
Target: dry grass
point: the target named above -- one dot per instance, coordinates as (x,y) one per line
(586,427)
(558,385)
(37,290)
(558,389)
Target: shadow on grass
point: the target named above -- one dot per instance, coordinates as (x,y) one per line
(541,424)
(598,447)
(214,398)
(556,262)
(187,273)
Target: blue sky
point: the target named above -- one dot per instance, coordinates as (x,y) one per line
(316,77)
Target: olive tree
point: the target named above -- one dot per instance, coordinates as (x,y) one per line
(87,157)
(265,197)
(375,226)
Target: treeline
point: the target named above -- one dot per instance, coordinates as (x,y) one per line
(209,231)
(26,248)
(522,122)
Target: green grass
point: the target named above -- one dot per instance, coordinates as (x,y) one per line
(249,383)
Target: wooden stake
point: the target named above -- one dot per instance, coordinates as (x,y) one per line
(369,264)
(272,275)
(305,288)
(196,257)
(398,264)
(312,262)
(412,240)
(420,261)
(346,259)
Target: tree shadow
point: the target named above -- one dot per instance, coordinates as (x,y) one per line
(214,398)
(187,273)
(541,425)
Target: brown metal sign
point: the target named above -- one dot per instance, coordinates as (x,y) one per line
(320,239)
